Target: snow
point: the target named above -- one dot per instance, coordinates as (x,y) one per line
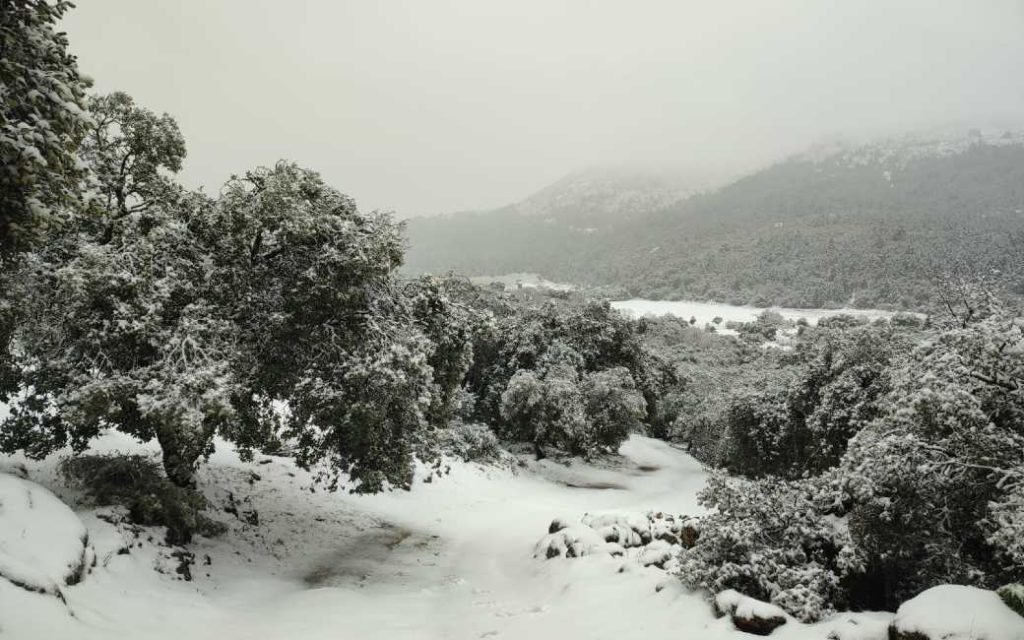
(706,312)
(452,559)
(43,544)
(952,612)
(735,603)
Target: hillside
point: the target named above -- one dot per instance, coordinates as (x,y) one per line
(861,225)
(537,230)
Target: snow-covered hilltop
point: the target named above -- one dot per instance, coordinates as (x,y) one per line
(595,198)
(898,150)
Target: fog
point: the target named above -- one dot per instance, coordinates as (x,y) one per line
(427,107)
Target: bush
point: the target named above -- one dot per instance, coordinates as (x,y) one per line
(771,540)
(928,490)
(472,442)
(136,483)
(1013,596)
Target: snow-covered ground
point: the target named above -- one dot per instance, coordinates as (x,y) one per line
(706,312)
(451,559)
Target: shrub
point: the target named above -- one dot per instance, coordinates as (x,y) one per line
(771,540)
(135,482)
(472,442)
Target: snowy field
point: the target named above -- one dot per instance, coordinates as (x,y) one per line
(706,312)
(451,559)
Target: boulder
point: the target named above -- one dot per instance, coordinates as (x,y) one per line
(956,612)
(43,544)
(748,614)
(558,524)
(570,542)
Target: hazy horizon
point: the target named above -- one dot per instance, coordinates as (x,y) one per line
(457,105)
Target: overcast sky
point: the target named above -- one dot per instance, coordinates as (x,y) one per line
(425,106)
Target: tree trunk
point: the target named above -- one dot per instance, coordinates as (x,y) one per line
(179,459)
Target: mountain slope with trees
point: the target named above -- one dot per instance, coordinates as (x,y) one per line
(874,225)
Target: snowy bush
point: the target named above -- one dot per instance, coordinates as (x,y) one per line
(613,406)
(546,410)
(799,420)
(929,488)
(472,442)
(772,540)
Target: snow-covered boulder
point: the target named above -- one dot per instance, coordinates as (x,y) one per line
(571,542)
(43,544)
(956,612)
(652,539)
(748,614)
(558,524)
(657,553)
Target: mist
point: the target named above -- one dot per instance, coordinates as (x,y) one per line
(444,106)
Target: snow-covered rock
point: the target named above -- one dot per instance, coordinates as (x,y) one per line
(956,612)
(653,539)
(748,614)
(571,542)
(43,544)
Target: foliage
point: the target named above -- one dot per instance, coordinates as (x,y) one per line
(1013,596)
(452,326)
(42,121)
(776,541)
(322,325)
(130,151)
(471,442)
(135,483)
(927,488)
(119,333)
(613,406)
(799,419)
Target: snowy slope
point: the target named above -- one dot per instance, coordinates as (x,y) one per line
(451,559)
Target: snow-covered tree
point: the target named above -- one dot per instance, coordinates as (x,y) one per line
(927,491)
(452,326)
(323,325)
(935,477)
(614,407)
(132,153)
(117,327)
(42,121)
(544,406)
(120,334)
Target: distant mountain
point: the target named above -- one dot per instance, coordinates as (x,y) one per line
(536,231)
(599,198)
(867,225)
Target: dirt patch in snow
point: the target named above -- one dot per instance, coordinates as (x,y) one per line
(379,555)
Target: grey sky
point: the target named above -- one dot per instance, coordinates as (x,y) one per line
(425,106)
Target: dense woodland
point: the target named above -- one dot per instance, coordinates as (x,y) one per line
(856,463)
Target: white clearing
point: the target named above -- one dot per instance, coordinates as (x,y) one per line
(453,558)
(707,312)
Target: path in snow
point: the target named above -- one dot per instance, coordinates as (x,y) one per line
(450,560)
